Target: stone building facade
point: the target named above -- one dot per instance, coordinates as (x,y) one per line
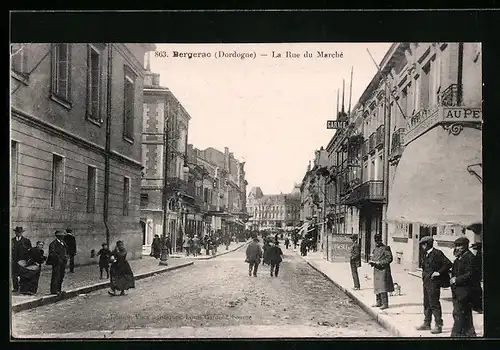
(76,120)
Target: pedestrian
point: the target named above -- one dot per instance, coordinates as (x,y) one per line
(295,241)
(382,277)
(355,261)
(156,247)
(58,259)
(168,244)
(207,245)
(287,242)
(70,241)
(435,275)
(303,247)
(30,274)
(104,258)
(196,245)
(253,256)
(266,246)
(275,258)
(464,282)
(20,247)
(478,295)
(185,246)
(122,277)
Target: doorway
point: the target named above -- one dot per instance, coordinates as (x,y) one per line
(143,228)
(368,237)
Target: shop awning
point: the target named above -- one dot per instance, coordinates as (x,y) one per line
(432,185)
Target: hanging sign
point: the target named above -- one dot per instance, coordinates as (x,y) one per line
(335,124)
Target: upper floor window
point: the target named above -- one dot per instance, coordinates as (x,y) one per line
(19,58)
(61,72)
(425,86)
(94,83)
(14,161)
(128,105)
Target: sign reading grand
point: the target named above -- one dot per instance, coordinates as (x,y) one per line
(461,114)
(335,124)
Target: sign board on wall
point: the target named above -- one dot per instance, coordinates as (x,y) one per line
(461,114)
(335,124)
(340,247)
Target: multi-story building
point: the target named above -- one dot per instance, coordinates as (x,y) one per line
(427,100)
(165,121)
(76,120)
(271,212)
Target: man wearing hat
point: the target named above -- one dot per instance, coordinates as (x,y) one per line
(19,251)
(70,241)
(355,261)
(464,282)
(58,258)
(435,275)
(382,277)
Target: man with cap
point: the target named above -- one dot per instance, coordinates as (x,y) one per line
(355,261)
(435,275)
(70,241)
(19,251)
(382,277)
(58,258)
(253,256)
(464,282)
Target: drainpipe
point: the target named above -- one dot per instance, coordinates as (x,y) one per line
(108,142)
(387,134)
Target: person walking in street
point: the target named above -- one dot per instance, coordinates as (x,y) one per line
(196,245)
(435,275)
(156,247)
(464,282)
(58,259)
(295,240)
(30,274)
(253,256)
(20,247)
(275,258)
(303,247)
(168,244)
(70,241)
(382,276)
(478,295)
(122,277)
(287,242)
(185,246)
(104,258)
(265,248)
(355,261)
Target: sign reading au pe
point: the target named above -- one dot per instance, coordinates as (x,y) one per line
(460,114)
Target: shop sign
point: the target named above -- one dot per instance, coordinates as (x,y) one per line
(340,247)
(460,114)
(335,124)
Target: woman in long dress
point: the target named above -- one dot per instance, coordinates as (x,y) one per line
(31,269)
(122,277)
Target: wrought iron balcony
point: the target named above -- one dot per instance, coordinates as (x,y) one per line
(176,184)
(450,97)
(370,191)
(371,143)
(397,142)
(380,135)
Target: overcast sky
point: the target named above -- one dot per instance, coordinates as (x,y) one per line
(270,112)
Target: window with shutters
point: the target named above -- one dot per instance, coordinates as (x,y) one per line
(61,74)
(128,105)
(94,84)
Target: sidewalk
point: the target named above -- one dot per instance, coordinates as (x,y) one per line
(221,250)
(405,311)
(85,279)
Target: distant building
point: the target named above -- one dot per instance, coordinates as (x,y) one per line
(76,122)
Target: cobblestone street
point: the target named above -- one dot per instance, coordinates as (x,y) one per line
(213,298)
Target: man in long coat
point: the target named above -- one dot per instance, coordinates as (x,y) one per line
(382,277)
(70,241)
(478,295)
(20,248)
(464,282)
(435,275)
(254,254)
(58,258)
(355,261)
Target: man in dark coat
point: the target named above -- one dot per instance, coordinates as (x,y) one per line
(355,261)
(464,282)
(70,241)
(478,295)
(156,247)
(254,254)
(382,276)
(58,258)
(275,258)
(19,251)
(435,275)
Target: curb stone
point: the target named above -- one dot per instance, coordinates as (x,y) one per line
(51,299)
(381,319)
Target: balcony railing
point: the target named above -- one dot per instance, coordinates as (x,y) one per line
(370,191)
(450,96)
(379,138)
(397,142)
(176,184)
(371,143)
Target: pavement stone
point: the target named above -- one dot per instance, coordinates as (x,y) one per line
(405,311)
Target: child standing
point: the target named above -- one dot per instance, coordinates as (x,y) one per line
(104,256)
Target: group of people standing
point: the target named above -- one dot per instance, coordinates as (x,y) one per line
(27,263)
(270,254)
(463,276)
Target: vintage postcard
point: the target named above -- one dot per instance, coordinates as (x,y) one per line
(286,190)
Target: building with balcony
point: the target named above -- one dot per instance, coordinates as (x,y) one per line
(165,121)
(76,122)
(274,212)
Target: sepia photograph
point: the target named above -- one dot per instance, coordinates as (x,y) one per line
(246,190)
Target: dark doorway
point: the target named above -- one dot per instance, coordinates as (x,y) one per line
(143,227)
(368,237)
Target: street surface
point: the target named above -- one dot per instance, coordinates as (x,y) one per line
(213,298)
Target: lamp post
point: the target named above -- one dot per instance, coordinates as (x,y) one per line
(166,154)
